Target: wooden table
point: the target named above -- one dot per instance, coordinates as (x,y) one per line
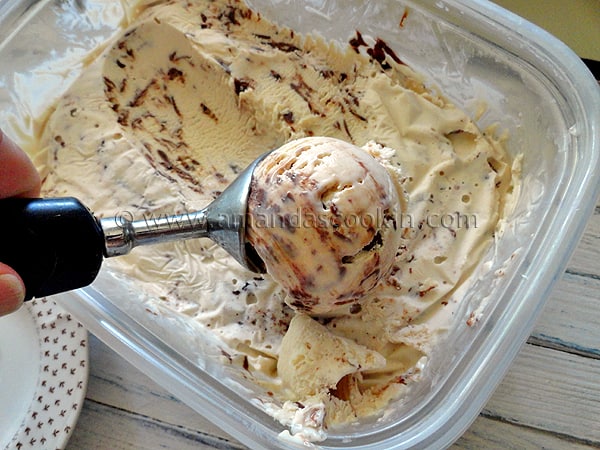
(550,398)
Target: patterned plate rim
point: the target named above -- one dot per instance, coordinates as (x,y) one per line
(62,379)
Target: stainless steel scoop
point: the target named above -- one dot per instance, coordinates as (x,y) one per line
(57,244)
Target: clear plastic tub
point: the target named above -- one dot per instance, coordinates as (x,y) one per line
(531,85)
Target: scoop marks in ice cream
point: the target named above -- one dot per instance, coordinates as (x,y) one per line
(324,217)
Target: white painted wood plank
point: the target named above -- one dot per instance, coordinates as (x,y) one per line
(103,427)
(490,433)
(545,389)
(551,390)
(115,382)
(570,319)
(586,258)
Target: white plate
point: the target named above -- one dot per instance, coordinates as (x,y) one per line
(43,376)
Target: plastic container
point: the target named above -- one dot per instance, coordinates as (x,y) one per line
(532,86)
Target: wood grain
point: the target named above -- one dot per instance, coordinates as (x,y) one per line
(117,383)
(106,427)
(570,319)
(492,433)
(586,258)
(551,390)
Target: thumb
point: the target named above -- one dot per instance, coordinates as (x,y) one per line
(12,290)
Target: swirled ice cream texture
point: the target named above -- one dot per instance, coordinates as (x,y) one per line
(193,91)
(324,217)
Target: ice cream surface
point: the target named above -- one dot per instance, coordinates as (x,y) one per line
(192,91)
(324,217)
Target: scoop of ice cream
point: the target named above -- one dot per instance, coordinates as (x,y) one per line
(323,217)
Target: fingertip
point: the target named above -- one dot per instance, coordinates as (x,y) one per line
(12,293)
(12,290)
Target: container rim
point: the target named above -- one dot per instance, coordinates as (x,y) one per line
(562,68)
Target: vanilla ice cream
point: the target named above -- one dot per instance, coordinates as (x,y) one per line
(316,360)
(324,200)
(170,111)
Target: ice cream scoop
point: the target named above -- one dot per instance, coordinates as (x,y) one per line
(57,244)
(323,216)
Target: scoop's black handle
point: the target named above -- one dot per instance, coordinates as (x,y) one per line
(54,244)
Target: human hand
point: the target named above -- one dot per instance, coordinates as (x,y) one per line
(18,178)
